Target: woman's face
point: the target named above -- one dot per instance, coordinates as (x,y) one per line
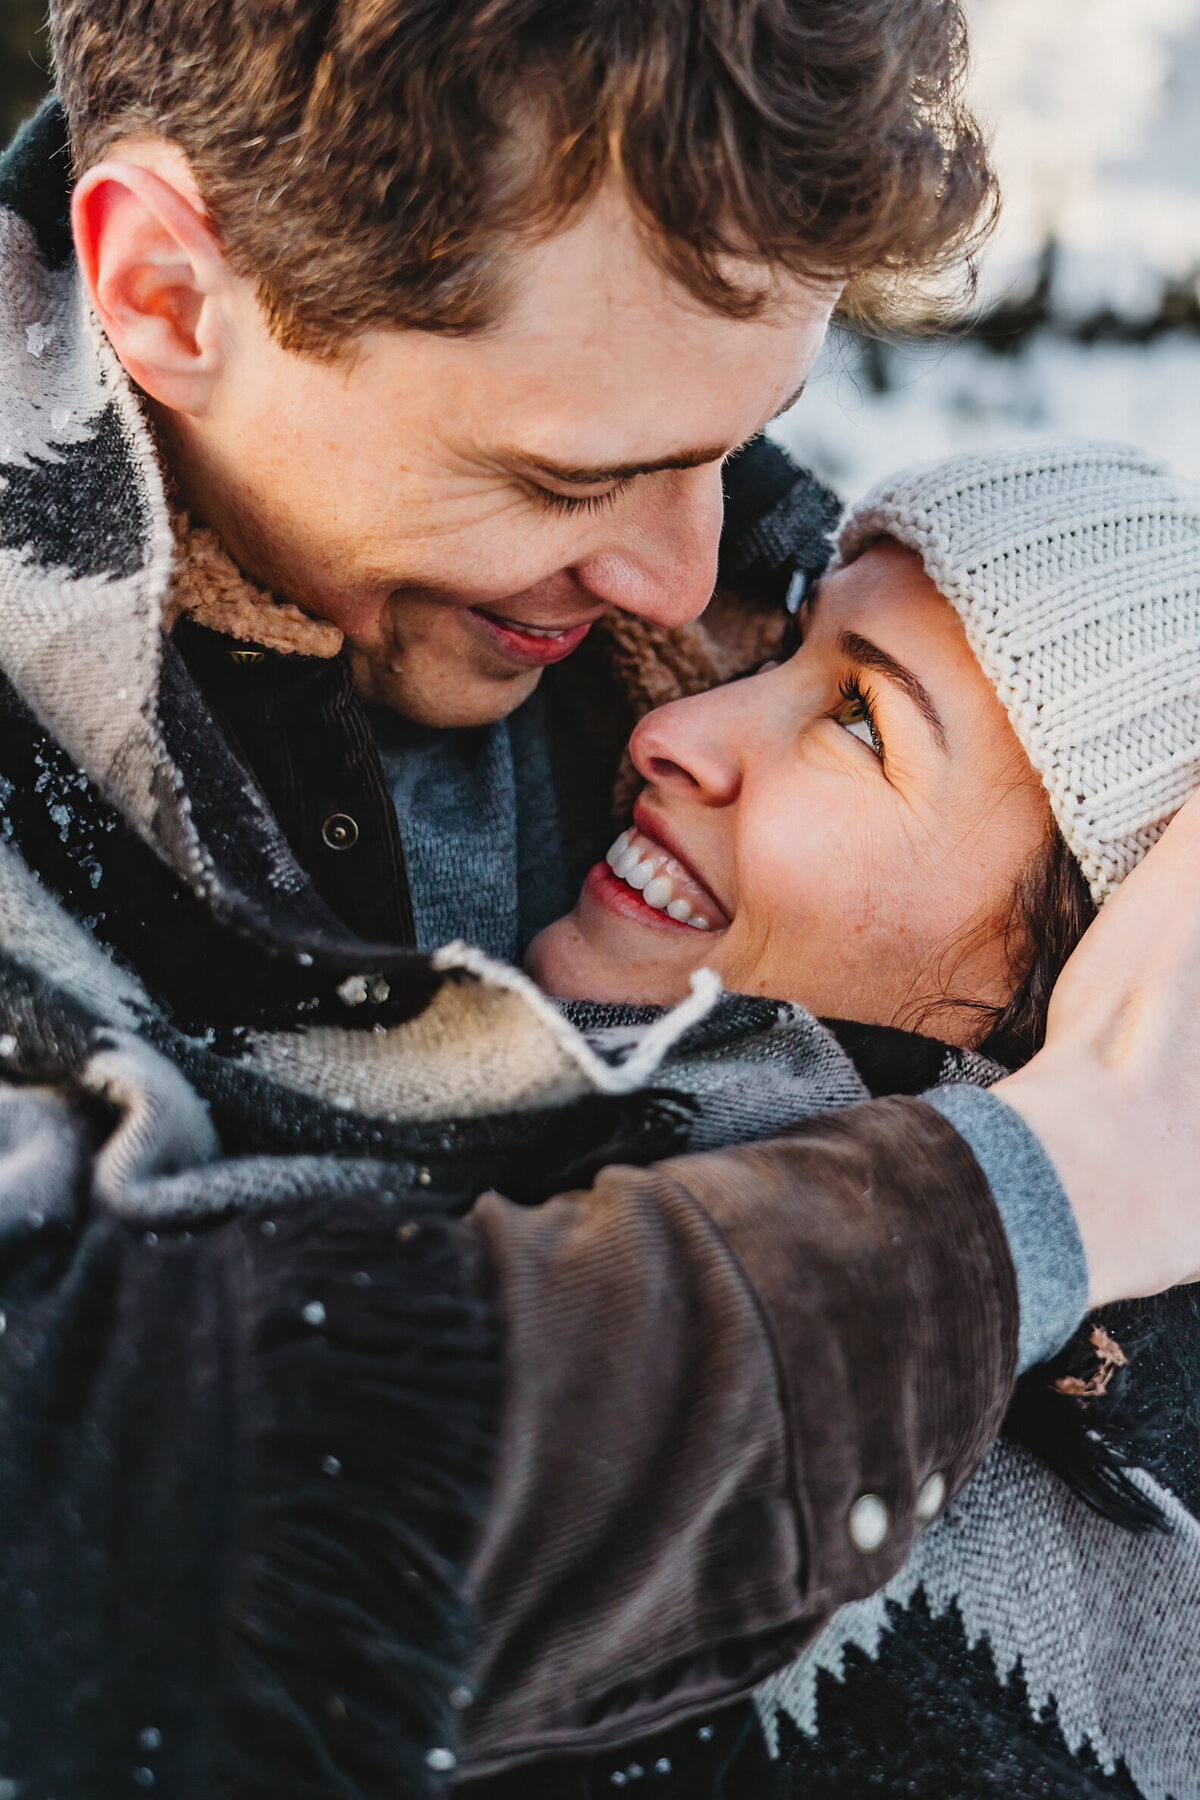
(845,829)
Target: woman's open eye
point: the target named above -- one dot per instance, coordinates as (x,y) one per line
(857,715)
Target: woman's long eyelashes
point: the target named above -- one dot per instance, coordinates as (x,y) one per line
(857,714)
(580,503)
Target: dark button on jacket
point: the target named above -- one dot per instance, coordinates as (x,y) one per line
(300,728)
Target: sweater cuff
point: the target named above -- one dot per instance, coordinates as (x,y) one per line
(1043,1238)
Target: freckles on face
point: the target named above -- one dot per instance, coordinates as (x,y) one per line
(861,813)
(878,848)
(882,868)
(827,869)
(446,500)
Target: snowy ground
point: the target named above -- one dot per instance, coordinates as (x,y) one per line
(1095,108)
(941,399)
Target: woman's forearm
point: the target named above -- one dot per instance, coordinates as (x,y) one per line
(1112,1097)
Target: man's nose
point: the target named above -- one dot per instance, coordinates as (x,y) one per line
(661,561)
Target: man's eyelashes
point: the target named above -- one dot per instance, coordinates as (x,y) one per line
(580,503)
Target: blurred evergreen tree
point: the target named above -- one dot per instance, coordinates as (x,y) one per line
(24,54)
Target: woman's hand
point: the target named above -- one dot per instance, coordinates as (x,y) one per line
(1115,1094)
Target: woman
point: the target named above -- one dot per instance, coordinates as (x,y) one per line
(867,826)
(993,712)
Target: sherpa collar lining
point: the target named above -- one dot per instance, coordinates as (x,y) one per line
(87,554)
(208,587)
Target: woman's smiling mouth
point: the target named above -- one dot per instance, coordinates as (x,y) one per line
(644,880)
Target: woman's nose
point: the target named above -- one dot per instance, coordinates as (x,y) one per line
(693,746)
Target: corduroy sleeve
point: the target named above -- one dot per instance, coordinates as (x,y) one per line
(709,1364)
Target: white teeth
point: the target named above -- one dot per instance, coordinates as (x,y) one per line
(618,849)
(637,861)
(538,631)
(542,631)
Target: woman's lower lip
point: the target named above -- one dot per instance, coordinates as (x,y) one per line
(523,647)
(617,896)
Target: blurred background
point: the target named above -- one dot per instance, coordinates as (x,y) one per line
(22,61)
(1087,319)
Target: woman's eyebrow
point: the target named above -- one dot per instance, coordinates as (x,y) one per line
(861,650)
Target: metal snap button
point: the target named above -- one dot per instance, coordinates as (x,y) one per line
(931,1498)
(868,1523)
(246,658)
(340,831)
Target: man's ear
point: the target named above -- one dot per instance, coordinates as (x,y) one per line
(156,277)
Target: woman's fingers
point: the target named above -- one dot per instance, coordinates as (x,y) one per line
(1141,958)
(1115,1094)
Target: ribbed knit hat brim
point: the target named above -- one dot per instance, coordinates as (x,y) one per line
(1075,569)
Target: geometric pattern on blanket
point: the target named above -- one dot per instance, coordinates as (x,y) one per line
(1064,1601)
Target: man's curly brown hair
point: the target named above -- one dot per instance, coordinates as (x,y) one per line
(364,160)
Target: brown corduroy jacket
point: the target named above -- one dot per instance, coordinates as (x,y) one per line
(709,1362)
(248,1421)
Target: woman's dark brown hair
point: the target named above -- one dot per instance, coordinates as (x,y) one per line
(363,160)
(1079,1413)
(1051,910)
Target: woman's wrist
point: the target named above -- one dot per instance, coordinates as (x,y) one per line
(1043,1238)
(1115,1094)
(1101,1143)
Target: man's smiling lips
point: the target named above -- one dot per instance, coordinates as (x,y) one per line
(528,646)
(642,879)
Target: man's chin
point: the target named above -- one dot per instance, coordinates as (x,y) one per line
(444,698)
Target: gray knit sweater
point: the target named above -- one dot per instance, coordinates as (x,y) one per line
(1074,1619)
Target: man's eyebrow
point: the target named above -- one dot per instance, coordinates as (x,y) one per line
(600,473)
(591,477)
(869,656)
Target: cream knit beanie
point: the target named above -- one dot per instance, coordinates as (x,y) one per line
(1075,569)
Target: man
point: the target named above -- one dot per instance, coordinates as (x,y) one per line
(424,333)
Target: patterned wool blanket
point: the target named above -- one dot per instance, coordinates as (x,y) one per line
(1031,1646)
